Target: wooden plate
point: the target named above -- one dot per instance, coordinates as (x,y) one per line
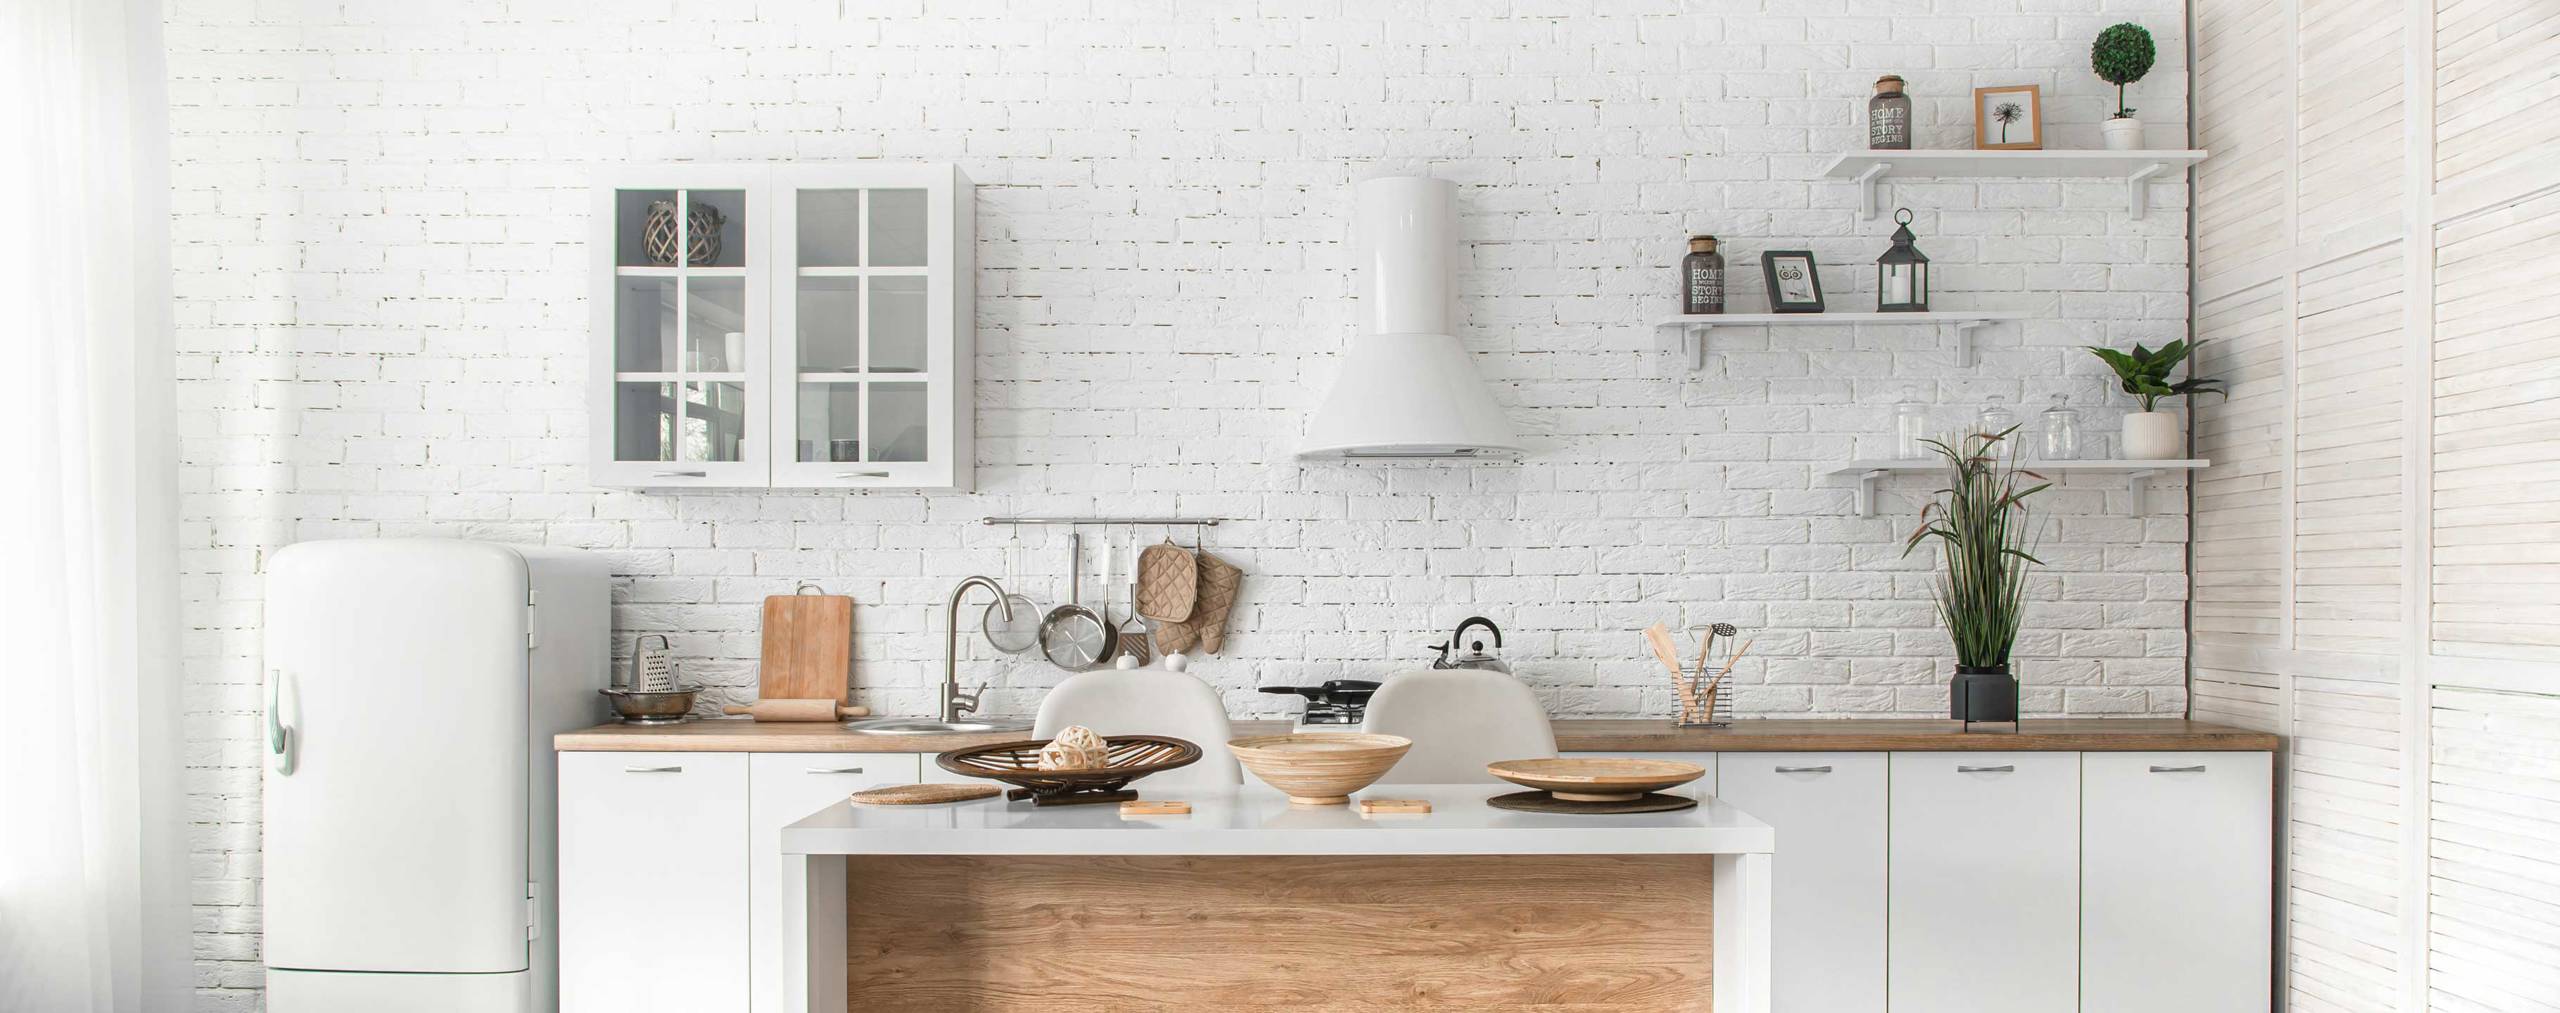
(924,794)
(1541,802)
(1596,779)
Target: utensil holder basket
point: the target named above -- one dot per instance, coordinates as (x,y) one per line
(1718,713)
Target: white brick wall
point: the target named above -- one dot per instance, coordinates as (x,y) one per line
(380,228)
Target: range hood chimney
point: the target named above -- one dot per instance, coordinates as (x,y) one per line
(1407,388)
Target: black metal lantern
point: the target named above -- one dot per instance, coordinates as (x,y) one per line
(1902,274)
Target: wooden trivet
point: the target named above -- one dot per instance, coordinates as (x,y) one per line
(1541,802)
(1135,807)
(1394,806)
(924,794)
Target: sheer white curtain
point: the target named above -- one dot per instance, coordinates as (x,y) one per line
(92,861)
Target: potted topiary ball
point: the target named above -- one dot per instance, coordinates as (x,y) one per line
(2122,54)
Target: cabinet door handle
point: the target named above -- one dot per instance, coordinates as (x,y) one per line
(1824,769)
(2158,769)
(862,474)
(834,770)
(680,474)
(2001,769)
(653,770)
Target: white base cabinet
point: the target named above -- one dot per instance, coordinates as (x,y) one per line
(1983,868)
(2175,906)
(2033,882)
(653,882)
(1827,898)
(782,789)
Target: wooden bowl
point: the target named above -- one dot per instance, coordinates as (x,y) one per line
(1596,779)
(1320,768)
(1126,758)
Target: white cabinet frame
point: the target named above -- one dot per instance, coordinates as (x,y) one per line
(771,273)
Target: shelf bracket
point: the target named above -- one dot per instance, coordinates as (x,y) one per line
(1965,356)
(2139,484)
(1695,337)
(1867,188)
(1866,493)
(2137,189)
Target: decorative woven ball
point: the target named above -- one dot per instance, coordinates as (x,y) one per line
(659,236)
(1075,748)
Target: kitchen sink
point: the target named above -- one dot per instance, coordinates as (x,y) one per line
(930,726)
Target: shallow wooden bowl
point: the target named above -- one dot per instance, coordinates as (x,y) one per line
(1127,758)
(1596,779)
(1320,768)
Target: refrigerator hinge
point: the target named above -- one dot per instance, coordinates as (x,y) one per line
(532,910)
(532,618)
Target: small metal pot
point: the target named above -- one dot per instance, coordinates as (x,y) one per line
(651,708)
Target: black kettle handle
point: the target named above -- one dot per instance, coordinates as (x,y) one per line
(1475,621)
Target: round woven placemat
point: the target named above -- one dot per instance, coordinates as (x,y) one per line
(924,794)
(1541,802)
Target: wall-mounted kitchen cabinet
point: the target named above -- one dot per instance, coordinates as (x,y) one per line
(783,326)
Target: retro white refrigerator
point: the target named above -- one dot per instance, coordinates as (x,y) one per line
(412,689)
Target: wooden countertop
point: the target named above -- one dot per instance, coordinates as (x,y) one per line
(1573,735)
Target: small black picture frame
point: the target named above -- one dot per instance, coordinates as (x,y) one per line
(1795,284)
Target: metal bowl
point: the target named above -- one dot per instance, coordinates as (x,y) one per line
(651,708)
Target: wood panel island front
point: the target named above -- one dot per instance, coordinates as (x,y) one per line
(2057,868)
(1252,902)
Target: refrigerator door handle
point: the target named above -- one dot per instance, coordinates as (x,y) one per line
(279,734)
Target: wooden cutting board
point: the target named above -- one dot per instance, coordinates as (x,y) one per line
(808,647)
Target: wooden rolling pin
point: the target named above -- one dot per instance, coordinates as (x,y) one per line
(797,710)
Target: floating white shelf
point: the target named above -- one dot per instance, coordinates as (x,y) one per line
(1694,327)
(2137,473)
(2136,168)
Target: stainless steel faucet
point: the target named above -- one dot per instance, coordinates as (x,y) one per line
(954,702)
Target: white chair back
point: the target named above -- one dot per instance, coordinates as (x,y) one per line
(1147,701)
(1459,720)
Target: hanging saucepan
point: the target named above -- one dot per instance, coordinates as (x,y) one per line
(1073,636)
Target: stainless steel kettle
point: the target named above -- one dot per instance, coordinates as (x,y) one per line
(1472,654)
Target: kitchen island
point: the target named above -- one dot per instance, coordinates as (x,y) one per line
(1252,902)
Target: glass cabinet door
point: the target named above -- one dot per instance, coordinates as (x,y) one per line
(683,338)
(868,332)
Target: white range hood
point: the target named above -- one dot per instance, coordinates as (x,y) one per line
(1407,388)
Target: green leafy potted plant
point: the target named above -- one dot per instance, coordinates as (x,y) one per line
(2122,54)
(2152,434)
(1985,545)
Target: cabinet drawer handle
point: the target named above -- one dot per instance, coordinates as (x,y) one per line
(862,474)
(680,474)
(2004,768)
(2197,769)
(1824,769)
(653,770)
(835,770)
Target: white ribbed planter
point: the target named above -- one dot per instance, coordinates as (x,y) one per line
(2122,133)
(2153,436)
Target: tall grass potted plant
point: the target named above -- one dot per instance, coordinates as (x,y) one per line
(1986,543)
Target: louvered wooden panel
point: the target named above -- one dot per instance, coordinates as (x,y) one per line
(2239,515)
(2349,127)
(2493,928)
(2348,454)
(2343,830)
(2243,76)
(2497,78)
(2497,434)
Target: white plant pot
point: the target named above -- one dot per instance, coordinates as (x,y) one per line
(2153,436)
(2123,133)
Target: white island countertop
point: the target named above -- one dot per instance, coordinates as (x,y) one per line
(1256,820)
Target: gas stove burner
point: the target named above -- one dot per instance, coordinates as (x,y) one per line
(1337,702)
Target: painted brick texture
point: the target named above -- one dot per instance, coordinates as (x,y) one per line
(380,218)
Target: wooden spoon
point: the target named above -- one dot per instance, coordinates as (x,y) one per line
(1669,654)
